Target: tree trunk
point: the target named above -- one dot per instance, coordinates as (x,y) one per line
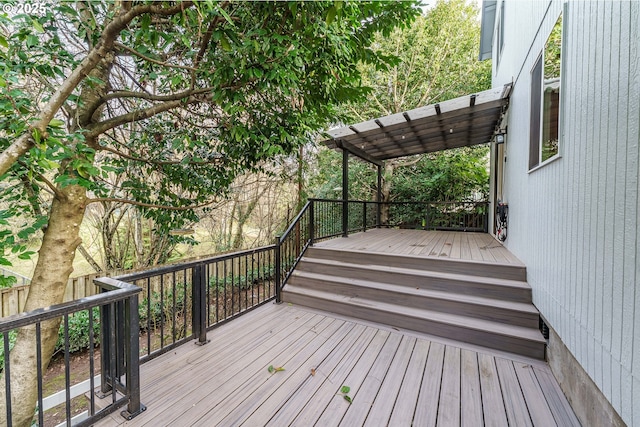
(138,238)
(389,168)
(54,266)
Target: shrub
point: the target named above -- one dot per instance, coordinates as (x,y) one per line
(79,331)
(152,311)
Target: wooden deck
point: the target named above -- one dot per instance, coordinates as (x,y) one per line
(396,378)
(440,244)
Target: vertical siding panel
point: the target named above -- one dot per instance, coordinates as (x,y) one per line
(575,175)
(599,189)
(577,140)
(586,356)
(636,397)
(608,175)
(632,230)
(605,189)
(619,190)
(593,142)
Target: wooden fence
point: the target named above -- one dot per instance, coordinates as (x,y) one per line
(12,299)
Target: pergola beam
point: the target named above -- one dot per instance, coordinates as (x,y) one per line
(357,152)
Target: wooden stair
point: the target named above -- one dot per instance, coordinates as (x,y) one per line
(486,304)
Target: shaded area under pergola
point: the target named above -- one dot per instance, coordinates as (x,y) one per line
(461,122)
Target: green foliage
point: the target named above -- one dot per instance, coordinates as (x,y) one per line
(7,281)
(273,370)
(161,307)
(326,183)
(245,280)
(437,61)
(344,391)
(552,51)
(453,175)
(12,340)
(79,331)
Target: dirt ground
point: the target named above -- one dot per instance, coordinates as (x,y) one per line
(54,380)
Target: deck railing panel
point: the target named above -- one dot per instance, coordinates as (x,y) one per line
(123,372)
(452,216)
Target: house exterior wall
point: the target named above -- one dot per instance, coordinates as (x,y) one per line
(574,220)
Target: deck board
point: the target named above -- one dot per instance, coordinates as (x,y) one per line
(385,400)
(406,402)
(396,378)
(449,405)
(431,244)
(471,397)
(428,398)
(494,413)
(514,402)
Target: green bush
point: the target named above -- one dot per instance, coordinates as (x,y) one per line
(7,281)
(79,331)
(242,281)
(152,311)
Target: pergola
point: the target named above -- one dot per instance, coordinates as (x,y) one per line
(460,122)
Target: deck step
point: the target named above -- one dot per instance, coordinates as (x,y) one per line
(468,284)
(470,304)
(434,264)
(482,303)
(515,339)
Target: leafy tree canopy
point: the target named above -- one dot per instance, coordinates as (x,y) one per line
(438,60)
(165,105)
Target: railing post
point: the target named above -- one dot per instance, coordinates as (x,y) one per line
(345,193)
(312,222)
(379,196)
(120,339)
(132,355)
(278,275)
(105,351)
(426,222)
(485,217)
(364,216)
(199,293)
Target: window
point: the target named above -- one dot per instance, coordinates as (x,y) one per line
(545,100)
(501,30)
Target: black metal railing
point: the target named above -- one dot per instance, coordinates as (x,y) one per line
(182,302)
(291,245)
(328,214)
(452,216)
(118,337)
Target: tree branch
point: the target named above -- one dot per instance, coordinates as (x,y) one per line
(149,59)
(24,142)
(404,164)
(148,96)
(134,116)
(158,162)
(149,205)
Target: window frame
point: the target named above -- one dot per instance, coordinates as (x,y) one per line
(537,104)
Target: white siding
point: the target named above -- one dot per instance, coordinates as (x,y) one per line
(574,221)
